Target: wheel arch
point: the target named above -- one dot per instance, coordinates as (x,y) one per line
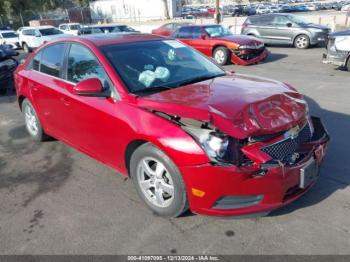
(20,101)
(130,149)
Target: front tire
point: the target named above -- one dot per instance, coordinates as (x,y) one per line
(221,55)
(348,64)
(158,181)
(26,48)
(302,42)
(32,122)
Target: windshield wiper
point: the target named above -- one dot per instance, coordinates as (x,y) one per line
(152,89)
(198,79)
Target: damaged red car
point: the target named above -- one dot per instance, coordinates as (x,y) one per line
(189,134)
(220,43)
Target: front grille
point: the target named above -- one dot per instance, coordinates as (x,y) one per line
(284,149)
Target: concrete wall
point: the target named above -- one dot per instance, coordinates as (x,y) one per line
(133,10)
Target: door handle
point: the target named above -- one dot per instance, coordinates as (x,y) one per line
(65,101)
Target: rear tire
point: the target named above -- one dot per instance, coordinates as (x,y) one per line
(158,181)
(221,55)
(32,122)
(302,42)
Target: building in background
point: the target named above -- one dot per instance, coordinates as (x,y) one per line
(133,10)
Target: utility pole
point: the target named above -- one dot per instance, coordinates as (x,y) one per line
(217,12)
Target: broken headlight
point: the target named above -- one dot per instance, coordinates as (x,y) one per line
(215,144)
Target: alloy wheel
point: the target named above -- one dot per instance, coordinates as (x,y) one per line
(155,182)
(220,56)
(31,121)
(302,42)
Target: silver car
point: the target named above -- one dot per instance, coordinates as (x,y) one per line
(285,29)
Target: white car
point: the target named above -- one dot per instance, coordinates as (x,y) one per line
(262,10)
(70,28)
(32,37)
(345,8)
(9,37)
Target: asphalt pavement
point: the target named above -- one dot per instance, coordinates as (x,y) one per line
(55,200)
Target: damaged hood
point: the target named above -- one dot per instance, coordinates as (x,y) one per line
(238,105)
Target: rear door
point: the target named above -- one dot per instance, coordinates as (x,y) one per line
(46,86)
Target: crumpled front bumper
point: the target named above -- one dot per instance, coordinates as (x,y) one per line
(247,189)
(337,59)
(237,60)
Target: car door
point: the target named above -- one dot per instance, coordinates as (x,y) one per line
(46,86)
(184,34)
(91,121)
(202,45)
(282,29)
(265,27)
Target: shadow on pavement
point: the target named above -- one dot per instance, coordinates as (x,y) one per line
(334,170)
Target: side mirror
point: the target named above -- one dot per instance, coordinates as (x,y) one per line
(289,24)
(89,87)
(203,36)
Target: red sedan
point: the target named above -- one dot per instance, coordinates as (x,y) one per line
(168,29)
(189,134)
(220,43)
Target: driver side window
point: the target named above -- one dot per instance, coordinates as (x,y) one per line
(280,21)
(82,64)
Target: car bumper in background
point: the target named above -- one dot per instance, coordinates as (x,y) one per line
(256,57)
(232,191)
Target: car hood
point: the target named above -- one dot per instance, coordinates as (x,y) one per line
(317,26)
(238,105)
(11,40)
(240,39)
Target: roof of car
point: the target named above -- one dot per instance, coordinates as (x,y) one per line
(7,31)
(112,38)
(39,27)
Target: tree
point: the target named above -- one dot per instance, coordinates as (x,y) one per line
(166,9)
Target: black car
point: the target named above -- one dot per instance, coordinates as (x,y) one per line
(8,65)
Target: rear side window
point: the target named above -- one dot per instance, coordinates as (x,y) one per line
(52,60)
(196,32)
(260,20)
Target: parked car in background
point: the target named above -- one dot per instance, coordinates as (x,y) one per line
(285,29)
(345,8)
(220,43)
(89,30)
(168,29)
(8,65)
(261,9)
(9,38)
(188,133)
(32,37)
(70,28)
(338,49)
(112,28)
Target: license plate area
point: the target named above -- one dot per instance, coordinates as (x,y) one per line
(309,173)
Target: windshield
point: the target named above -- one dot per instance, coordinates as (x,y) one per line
(217,31)
(298,19)
(75,27)
(8,35)
(50,31)
(155,66)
